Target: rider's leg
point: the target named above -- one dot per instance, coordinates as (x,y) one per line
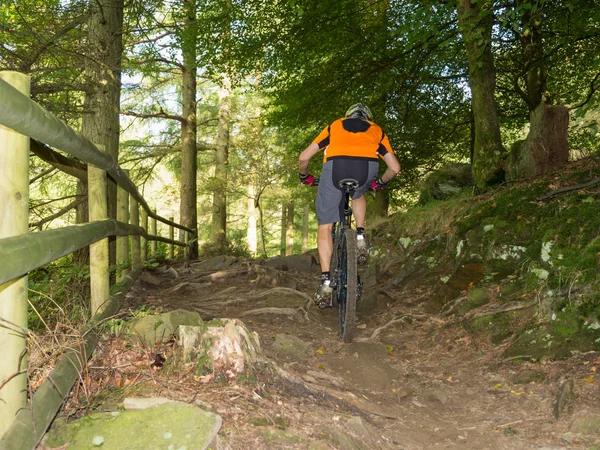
(359,209)
(325,244)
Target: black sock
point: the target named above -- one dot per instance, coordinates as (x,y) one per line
(360,231)
(324,276)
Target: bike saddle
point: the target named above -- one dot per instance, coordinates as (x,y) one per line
(348,184)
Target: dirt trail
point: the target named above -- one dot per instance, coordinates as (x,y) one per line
(409,380)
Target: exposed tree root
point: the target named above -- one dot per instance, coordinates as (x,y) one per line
(419,317)
(294,312)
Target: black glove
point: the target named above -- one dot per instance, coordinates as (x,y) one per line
(378,185)
(307,179)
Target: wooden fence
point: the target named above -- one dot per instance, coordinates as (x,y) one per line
(23,423)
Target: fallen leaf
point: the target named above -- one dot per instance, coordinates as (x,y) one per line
(394,390)
(389,348)
(519,217)
(589,380)
(356,354)
(517,392)
(498,386)
(362,326)
(593,369)
(320,367)
(321,351)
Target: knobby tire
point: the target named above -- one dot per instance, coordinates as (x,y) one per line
(349,286)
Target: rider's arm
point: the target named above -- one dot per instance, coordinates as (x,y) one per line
(305,157)
(393,167)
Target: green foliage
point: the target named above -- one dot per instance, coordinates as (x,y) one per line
(58,292)
(230,248)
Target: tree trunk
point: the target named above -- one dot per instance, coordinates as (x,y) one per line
(476,19)
(219,210)
(251,233)
(283,229)
(261,229)
(382,203)
(289,248)
(306,213)
(82,257)
(102,101)
(546,146)
(189,159)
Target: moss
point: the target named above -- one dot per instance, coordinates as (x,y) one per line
(497,326)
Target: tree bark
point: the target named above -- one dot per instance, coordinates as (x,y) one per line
(546,146)
(219,210)
(103,71)
(476,19)
(189,152)
(305,217)
(283,229)
(289,247)
(382,203)
(251,233)
(82,257)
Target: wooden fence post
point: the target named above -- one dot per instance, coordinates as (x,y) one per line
(172,237)
(14,218)
(99,263)
(122,241)
(143,240)
(153,233)
(134,219)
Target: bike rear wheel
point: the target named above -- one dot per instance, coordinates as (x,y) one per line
(348,288)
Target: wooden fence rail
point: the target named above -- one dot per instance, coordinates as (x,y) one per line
(23,424)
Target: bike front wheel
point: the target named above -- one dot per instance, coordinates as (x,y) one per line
(349,286)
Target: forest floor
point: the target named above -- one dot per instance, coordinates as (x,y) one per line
(409,380)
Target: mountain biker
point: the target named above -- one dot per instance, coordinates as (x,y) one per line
(352,146)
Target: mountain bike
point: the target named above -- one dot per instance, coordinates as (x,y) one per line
(345,280)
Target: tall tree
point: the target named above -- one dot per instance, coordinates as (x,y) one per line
(476,19)
(219,208)
(189,151)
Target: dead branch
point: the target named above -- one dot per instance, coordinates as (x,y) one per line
(293,312)
(568,189)
(70,166)
(58,214)
(42,174)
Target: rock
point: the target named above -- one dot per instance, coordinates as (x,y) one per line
(171,425)
(357,427)
(564,394)
(290,347)
(433,397)
(529,376)
(137,403)
(300,263)
(150,279)
(586,426)
(151,329)
(215,263)
(343,440)
(476,297)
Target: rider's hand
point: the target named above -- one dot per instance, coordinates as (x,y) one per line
(307,179)
(378,185)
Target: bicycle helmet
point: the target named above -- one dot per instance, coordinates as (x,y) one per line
(361,111)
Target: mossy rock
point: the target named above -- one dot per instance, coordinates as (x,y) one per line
(153,329)
(497,326)
(173,425)
(509,291)
(476,297)
(290,347)
(553,341)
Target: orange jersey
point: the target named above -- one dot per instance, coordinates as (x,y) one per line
(353,138)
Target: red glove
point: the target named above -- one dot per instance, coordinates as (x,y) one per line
(307,179)
(378,185)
